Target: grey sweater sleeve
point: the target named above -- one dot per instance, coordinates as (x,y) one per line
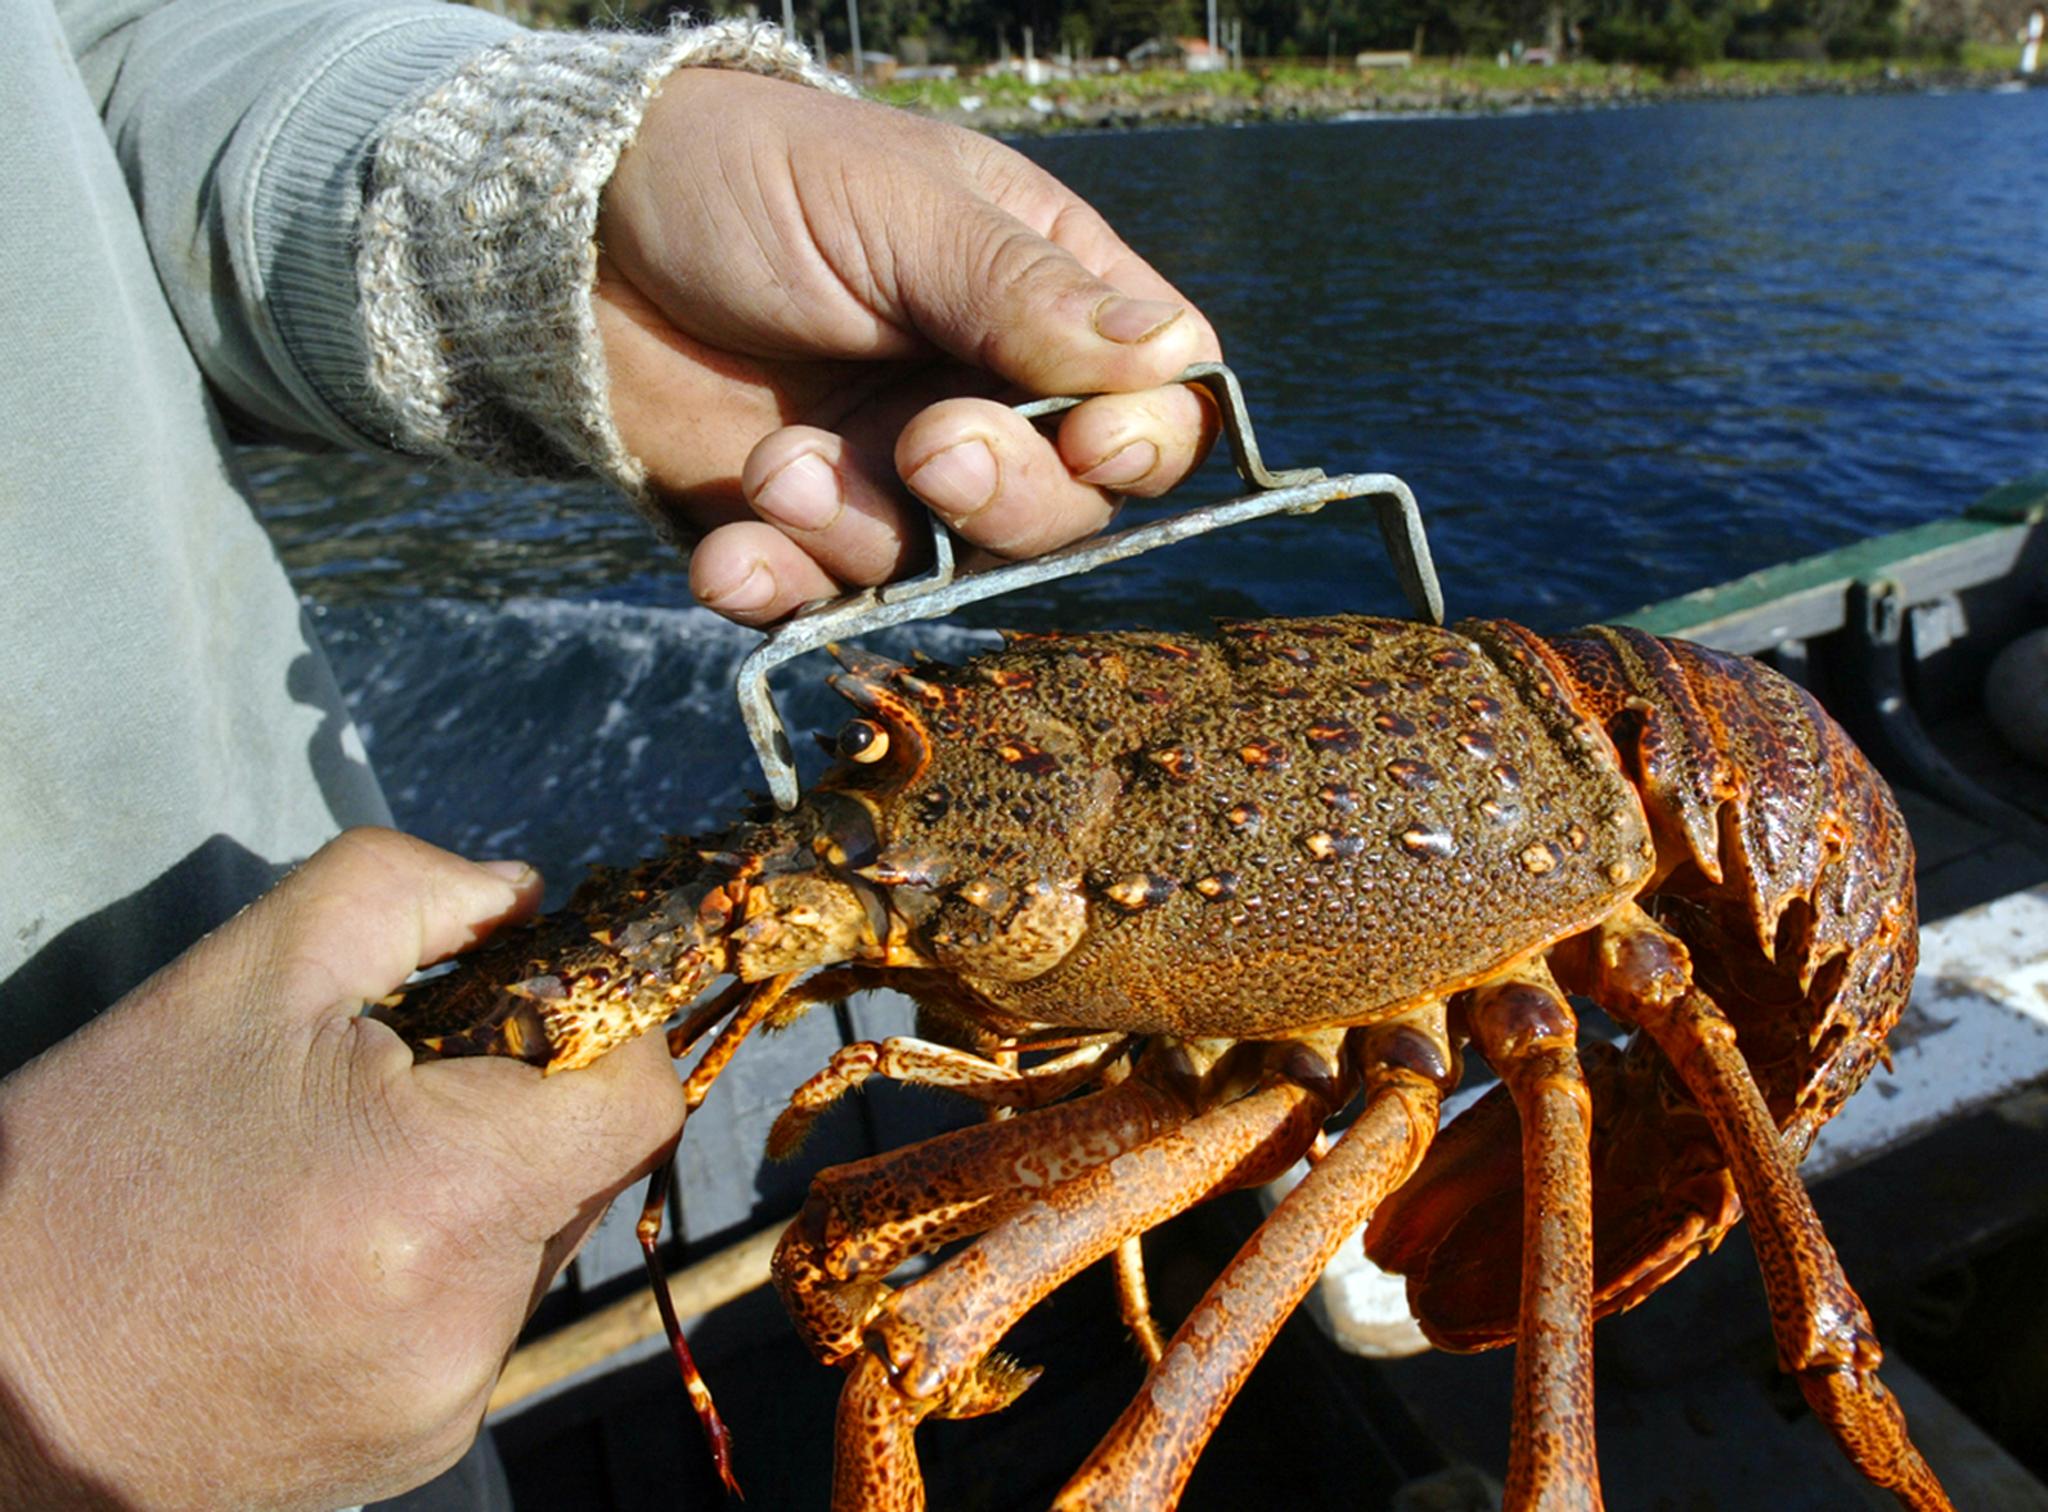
(244,128)
(375,219)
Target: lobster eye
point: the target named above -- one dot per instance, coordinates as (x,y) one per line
(864,741)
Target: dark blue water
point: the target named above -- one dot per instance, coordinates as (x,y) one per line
(1618,354)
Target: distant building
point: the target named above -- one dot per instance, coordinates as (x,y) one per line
(1191,53)
(870,67)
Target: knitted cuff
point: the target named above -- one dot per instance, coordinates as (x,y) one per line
(479,249)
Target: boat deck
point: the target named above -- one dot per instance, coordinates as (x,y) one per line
(1965,861)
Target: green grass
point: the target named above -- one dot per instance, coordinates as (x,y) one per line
(1280,81)
(1992,57)
(1739,71)
(998,91)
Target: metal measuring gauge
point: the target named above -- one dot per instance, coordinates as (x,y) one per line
(942,589)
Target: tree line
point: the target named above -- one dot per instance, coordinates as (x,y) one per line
(1672,34)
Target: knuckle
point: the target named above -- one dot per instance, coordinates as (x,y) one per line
(1025,271)
(367,842)
(367,849)
(399,1259)
(1031,532)
(1009,176)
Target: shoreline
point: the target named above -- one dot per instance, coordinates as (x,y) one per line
(1008,107)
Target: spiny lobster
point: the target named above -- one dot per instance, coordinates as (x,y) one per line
(1176,903)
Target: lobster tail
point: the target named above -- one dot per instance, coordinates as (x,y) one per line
(1785,868)
(1798,900)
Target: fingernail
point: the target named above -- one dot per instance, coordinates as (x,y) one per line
(1122,468)
(754,591)
(958,481)
(1131,321)
(518,873)
(803,494)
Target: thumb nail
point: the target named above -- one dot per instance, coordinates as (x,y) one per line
(518,873)
(1130,321)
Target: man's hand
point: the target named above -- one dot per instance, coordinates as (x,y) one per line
(804,299)
(253,1255)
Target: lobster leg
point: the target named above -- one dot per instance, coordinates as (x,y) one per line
(1528,1033)
(648,1231)
(931,1342)
(874,1457)
(1145,1459)
(1825,1338)
(1134,1298)
(864,1219)
(754,1003)
(923,1064)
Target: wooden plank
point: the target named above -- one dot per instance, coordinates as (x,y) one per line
(581,1348)
(2024,501)
(1804,599)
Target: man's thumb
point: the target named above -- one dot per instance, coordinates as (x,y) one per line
(998,295)
(364,912)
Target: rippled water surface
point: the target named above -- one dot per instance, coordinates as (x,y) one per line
(1618,354)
